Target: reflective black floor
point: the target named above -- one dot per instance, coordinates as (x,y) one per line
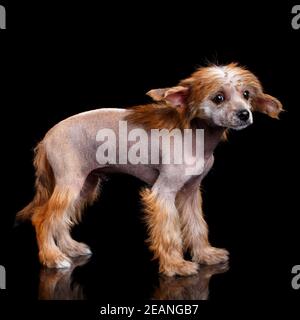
(63,284)
(101,276)
(122,269)
(133,276)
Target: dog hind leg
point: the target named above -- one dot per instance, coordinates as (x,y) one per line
(49,221)
(88,195)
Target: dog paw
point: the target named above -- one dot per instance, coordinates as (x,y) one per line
(211,255)
(75,249)
(63,264)
(79,249)
(58,260)
(181,268)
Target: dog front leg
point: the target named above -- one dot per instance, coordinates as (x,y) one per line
(164,231)
(194,228)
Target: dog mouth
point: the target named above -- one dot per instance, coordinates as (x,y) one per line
(239,125)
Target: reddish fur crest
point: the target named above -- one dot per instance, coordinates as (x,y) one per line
(158,116)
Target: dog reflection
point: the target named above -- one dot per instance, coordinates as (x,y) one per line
(195,287)
(58,284)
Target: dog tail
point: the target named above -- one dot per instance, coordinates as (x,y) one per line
(44,184)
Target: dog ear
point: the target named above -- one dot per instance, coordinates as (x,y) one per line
(267,104)
(176,96)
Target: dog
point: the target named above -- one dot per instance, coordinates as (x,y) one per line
(214,99)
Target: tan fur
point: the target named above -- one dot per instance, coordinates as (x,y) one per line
(193,224)
(195,230)
(44,183)
(53,221)
(165,235)
(47,221)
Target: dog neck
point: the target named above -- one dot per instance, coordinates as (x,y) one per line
(212,135)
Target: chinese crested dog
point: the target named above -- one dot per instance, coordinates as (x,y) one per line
(68,175)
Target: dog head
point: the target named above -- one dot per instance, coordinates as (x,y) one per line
(224,96)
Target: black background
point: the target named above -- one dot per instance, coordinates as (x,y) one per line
(60,60)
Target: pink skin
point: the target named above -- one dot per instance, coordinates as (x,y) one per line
(73,157)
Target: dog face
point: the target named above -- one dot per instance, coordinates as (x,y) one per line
(229,104)
(224,96)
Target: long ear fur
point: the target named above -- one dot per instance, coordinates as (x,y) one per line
(267,104)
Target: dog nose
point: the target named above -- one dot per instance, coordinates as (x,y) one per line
(243,115)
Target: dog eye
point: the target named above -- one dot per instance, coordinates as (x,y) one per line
(219,98)
(246,94)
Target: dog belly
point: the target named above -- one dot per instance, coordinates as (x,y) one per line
(145,173)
